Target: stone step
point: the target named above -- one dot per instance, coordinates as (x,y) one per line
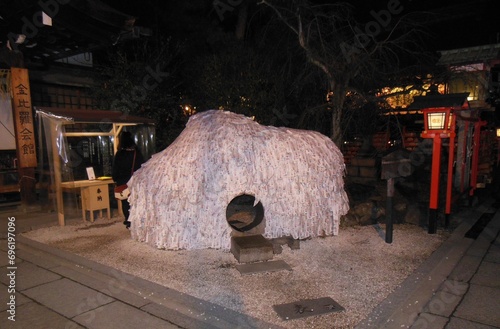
(251,248)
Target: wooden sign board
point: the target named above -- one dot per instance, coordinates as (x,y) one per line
(23,118)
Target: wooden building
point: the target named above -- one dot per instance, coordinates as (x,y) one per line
(46,60)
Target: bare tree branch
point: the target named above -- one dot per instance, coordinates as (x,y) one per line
(348,53)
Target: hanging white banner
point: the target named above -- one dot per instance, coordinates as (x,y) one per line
(7,134)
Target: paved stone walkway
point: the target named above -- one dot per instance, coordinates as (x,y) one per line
(56,289)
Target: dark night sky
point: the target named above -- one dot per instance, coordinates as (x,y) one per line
(456,23)
(465,23)
(449,23)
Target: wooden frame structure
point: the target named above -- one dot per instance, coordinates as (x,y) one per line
(58,118)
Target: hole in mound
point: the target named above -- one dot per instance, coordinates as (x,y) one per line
(241,213)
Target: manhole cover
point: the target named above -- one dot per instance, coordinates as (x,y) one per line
(307,307)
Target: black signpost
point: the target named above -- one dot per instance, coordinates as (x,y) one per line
(394,165)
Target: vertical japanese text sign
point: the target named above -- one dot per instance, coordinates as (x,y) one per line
(23,116)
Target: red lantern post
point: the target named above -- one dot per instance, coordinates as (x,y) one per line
(438,123)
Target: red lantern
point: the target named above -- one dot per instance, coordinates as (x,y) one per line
(439,123)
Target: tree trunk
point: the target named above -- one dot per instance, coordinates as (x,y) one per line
(336,126)
(242,21)
(337,105)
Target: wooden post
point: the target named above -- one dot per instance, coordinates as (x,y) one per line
(462,160)
(25,135)
(389,224)
(57,173)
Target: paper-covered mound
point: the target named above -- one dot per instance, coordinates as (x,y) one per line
(180,196)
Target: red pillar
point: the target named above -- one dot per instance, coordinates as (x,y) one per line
(475,155)
(451,160)
(435,173)
(462,171)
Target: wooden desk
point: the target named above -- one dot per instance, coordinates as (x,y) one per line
(94,194)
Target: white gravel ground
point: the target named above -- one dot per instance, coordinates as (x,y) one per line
(357,268)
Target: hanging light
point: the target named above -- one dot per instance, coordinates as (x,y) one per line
(437,121)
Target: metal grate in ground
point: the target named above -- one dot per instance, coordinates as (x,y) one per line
(479,226)
(307,307)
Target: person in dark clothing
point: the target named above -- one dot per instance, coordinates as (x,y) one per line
(128,155)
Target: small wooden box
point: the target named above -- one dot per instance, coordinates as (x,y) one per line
(95,198)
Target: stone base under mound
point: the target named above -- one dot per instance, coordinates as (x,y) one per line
(251,248)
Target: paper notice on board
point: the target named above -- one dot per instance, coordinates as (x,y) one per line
(90,173)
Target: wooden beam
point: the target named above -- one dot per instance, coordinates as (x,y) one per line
(87,134)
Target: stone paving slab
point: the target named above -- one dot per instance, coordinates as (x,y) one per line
(28,275)
(480,304)
(3,244)
(35,316)
(488,274)
(493,254)
(123,316)
(4,259)
(428,321)
(114,286)
(442,304)
(466,268)
(67,297)
(490,232)
(454,287)
(20,299)
(480,246)
(456,323)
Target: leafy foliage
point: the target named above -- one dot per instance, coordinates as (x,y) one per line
(235,77)
(140,79)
